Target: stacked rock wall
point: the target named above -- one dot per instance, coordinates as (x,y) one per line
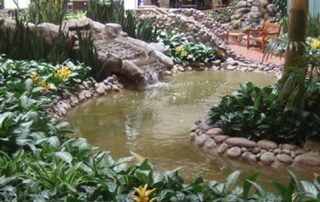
(251,13)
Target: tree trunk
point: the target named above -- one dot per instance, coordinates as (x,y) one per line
(297,34)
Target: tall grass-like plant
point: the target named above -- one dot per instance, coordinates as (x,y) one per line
(313,28)
(52,11)
(106,12)
(87,53)
(22,42)
(146,30)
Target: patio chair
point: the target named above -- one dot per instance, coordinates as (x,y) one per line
(263,35)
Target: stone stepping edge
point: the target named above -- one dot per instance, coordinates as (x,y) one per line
(214,142)
(84,91)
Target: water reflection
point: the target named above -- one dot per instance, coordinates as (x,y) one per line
(155,123)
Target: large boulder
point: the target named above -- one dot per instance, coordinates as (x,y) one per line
(112,30)
(132,72)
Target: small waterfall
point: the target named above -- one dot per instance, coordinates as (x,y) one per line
(152,79)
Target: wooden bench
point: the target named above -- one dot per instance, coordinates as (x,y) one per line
(263,35)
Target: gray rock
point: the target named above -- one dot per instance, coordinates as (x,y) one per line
(284,158)
(222,148)
(267,144)
(267,158)
(290,147)
(311,159)
(241,4)
(201,139)
(210,143)
(240,142)
(163,58)
(220,138)
(214,131)
(277,151)
(234,152)
(101,90)
(112,29)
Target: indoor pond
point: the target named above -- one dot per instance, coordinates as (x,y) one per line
(155,124)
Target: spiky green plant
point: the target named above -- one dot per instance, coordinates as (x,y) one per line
(52,11)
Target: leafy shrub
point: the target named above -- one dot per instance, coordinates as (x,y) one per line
(255,113)
(222,16)
(185,52)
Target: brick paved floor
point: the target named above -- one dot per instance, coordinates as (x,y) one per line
(255,54)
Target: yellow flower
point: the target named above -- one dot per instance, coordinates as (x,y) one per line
(63,73)
(184,53)
(143,194)
(34,78)
(179,49)
(44,85)
(315,44)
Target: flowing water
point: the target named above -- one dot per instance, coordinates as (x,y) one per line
(155,124)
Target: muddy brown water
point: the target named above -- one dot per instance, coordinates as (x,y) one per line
(155,124)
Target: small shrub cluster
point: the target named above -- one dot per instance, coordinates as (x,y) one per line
(256,113)
(185,52)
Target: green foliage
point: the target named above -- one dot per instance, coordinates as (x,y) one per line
(185,52)
(313,27)
(107,12)
(256,113)
(222,16)
(20,42)
(52,11)
(76,16)
(113,12)
(87,53)
(146,30)
(38,163)
(282,7)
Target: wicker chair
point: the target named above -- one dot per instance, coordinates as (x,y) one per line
(263,35)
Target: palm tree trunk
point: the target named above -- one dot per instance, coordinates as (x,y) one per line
(297,34)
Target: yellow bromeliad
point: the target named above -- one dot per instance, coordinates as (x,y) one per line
(63,73)
(44,85)
(143,194)
(179,49)
(315,44)
(34,78)
(184,53)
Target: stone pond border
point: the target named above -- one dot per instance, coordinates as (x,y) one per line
(215,142)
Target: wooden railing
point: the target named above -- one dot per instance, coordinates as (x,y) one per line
(153,9)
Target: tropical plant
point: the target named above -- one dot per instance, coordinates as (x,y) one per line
(313,28)
(87,53)
(21,42)
(52,11)
(256,113)
(185,52)
(107,11)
